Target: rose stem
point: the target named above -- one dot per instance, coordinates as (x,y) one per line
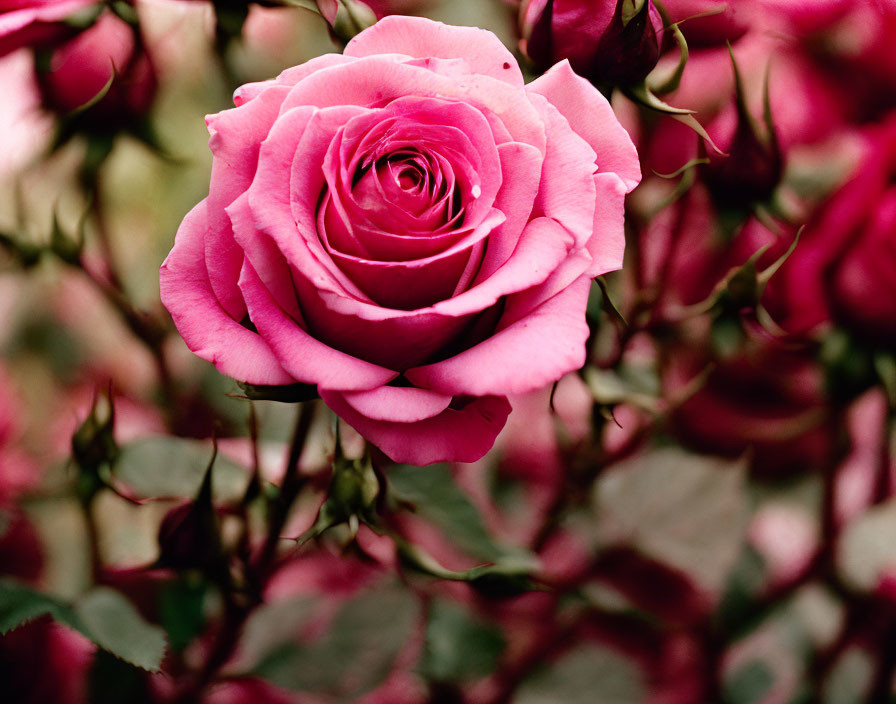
(237,610)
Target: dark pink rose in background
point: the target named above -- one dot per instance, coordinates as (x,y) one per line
(711,22)
(769,401)
(850,41)
(806,107)
(599,40)
(43,662)
(842,269)
(854,240)
(408,227)
(80,68)
(35,22)
(397,7)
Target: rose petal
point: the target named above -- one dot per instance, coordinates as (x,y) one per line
(520,173)
(566,192)
(463,435)
(607,244)
(592,118)
(375,81)
(308,359)
(421,38)
(419,283)
(397,404)
(289,77)
(532,352)
(206,328)
(236,136)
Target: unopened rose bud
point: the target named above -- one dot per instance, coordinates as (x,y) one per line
(750,173)
(103,72)
(189,536)
(614,42)
(752,168)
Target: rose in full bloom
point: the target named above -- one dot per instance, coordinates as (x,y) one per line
(35,22)
(604,40)
(408,227)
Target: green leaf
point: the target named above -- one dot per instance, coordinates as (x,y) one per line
(166,466)
(588,674)
(749,684)
(865,548)
(437,498)
(20,604)
(103,615)
(114,624)
(850,678)
(457,647)
(357,652)
(626,384)
(273,628)
(685,510)
(182,610)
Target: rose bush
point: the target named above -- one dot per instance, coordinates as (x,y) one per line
(408,227)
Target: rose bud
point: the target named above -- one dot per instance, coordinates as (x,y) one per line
(105,63)
(616,42)
(409,228)
(752,167)
(36,23)
(189,535)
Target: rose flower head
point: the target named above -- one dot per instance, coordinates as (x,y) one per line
(408,227)
(616,42)
(104,67)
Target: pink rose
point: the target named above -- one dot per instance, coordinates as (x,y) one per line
(35,22)
(80,68)
(408,227)
(853,240)
(598,37)
(769,400)
(711,22)
(842,270)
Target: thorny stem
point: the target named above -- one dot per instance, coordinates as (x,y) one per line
(239,606)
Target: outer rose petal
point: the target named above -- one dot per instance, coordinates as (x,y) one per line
(591,116)
(607,243)
(397,404)
(235,139)
(452,436)
(421,38)
(532,352)
(309,360)
(206,328)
